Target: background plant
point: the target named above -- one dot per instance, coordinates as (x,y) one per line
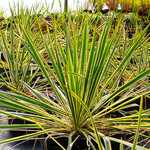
(17,66)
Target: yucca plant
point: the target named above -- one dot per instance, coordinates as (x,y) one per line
(90,101)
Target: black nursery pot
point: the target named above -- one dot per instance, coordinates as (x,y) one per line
(46,144)
(80,144)
(104,11)
(49,144)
